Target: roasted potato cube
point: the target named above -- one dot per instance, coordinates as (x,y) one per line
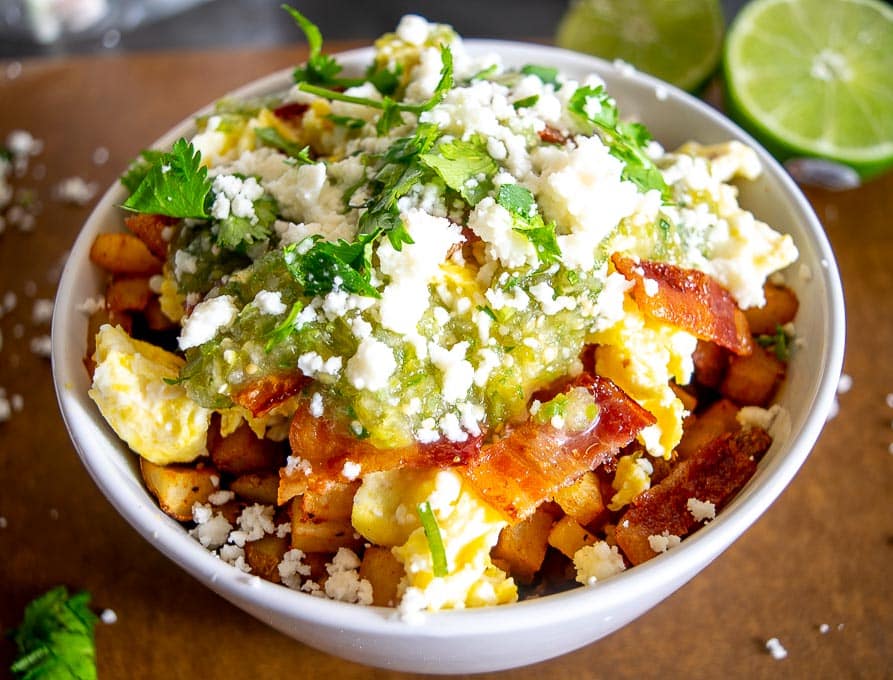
(128,294)
(124,254)
(156,320)
(752,380)
(310,535)
(522,546)
(178,487)
(720,417)
(582,500)
(383,571)
(689,400)
(291,484)
(335,503)
(256,487)
(780,308)
(150,230)
(710,362)
(242,452)
(265,554)
(568,537)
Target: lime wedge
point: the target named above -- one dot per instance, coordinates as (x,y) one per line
(814,78)
(679,41)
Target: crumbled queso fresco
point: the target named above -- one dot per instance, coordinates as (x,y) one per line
(430,248)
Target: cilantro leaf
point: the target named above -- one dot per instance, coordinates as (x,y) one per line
(272,137)
(547,74)
(527,102)
(176,185)
(284,329)
(626,141)
(385,80)
(139,168)
(322,266)
(435,540)
(55,638)
(464,166)
(347,121)
(780,343)
(234,232)
(521,204)
(320,68)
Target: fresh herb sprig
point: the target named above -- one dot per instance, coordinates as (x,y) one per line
(626,141)
(272,137)
(435,540)
(284,329)
(321,266)
(391,109)
(779,342)
(175,183)
(464,166)
(55,638)
(521,204)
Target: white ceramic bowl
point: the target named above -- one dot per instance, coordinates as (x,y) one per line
(527,632)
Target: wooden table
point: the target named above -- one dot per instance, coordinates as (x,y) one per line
(820,555)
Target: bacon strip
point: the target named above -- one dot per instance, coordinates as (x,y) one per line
(689,299)
(527,466)
(291,111)
(264,394)
(715,473)
(327,449)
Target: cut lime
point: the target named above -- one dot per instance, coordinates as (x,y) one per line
(679,41)
(814,78)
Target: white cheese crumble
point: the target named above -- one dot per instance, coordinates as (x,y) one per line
(269,302)
(344,582)
(457,373)
(235,196)
(371,366)
(108,617)
(292,568)
(350,470)
(313,365)
(701,510)
(597,562)
(664,541)
(207,318)
(776,649)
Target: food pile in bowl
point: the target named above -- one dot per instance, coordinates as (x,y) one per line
(442,335)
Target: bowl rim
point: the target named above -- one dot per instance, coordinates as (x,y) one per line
(653,576)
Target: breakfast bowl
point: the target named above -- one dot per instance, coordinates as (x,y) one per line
(538,628)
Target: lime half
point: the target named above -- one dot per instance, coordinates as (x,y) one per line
(814,78)
(679,41)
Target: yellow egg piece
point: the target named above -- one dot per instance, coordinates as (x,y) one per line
(156,419)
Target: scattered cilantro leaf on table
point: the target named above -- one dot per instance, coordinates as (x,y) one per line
(175,184)
(55,638)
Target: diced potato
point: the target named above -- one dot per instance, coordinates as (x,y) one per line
(568,537)
(128,294)
(291,484)
(522,546)
(780,308)
(335,503)
(265,554)
(383,571)
(317,562)
(124,254)
(718,418)
(256,487)
(710,362)
(156,320)
(242,452)
(178,487)
(310,535)
(582,500)
(752,380)
(150,230)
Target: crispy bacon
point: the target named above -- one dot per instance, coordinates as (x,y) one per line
(291,111)
(524,468)
(327,448)
(715,473)
(689,299)
(551,135)
(264,394)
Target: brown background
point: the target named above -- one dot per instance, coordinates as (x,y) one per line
(820,555)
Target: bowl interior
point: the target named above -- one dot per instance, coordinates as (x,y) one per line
(673,117)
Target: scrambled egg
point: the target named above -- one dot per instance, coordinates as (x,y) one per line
(641,354)
(384,512)
(157,420)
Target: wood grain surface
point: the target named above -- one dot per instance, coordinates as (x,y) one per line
(821,554)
